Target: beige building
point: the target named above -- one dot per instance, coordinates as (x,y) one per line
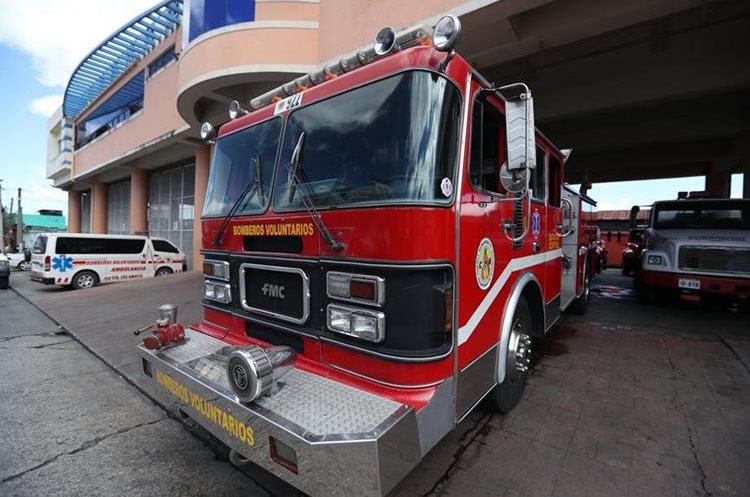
(125,143)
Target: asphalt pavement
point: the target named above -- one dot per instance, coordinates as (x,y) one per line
(71,425)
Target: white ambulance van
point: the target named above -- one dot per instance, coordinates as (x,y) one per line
(85,260)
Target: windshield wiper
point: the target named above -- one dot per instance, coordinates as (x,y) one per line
(295,166)
(255,182)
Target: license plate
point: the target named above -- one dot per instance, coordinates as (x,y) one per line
(688,283)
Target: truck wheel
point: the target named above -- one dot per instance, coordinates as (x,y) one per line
(4,283)
(85,279)
(163,271)
(507,394)
(581,303)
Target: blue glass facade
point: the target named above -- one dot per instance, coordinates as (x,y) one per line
(206,15)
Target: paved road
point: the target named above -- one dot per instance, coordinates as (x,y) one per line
(629,400)
(71,426)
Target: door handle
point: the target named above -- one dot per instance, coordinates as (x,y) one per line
(536,247)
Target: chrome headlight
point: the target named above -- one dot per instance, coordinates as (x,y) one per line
(216,269)
(446,33)
(236,110)
(208,132)
(217,291)
(359,323)
(360,288)
(655,260)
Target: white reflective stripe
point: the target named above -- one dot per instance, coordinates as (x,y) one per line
(466,330)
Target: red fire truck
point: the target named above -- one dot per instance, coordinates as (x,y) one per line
(383,240)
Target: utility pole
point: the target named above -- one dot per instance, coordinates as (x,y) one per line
(19,224)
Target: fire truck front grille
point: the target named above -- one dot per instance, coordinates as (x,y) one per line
(722,260)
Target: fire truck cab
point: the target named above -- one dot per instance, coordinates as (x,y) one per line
(384,239)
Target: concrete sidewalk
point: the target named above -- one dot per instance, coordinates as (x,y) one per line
(610,410)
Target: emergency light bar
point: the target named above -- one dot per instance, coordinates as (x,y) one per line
(387,41)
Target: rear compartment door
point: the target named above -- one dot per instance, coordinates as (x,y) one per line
(571,206)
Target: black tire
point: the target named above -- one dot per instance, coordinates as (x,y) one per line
(4,283)
(163,271)
(506,395)
(23,266)
(581,303)
(84,279)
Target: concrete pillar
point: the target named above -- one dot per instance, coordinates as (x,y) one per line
(202,162)
(74,211)
(138,202)
(99,208)
(718,181)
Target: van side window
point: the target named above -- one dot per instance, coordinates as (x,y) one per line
(71,245)
(163,246)
(487,147)
(538,176)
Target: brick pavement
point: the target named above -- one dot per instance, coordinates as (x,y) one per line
(613,407)
(608,412)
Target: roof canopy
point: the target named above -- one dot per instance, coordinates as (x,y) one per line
(107,62)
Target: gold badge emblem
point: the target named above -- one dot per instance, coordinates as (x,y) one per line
(485,264)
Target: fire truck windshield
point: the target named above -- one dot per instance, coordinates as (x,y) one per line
(391,141)
(236,159)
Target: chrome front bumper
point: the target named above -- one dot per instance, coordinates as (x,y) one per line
(347,441)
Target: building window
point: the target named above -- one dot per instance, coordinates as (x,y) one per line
(203,16)
(162,61)
(86,211)
(118,208)
(114,111)
(171,211)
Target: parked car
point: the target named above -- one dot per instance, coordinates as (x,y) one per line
(84,261)
(19,260)
(4,271)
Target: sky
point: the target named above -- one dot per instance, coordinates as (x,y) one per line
(42,41)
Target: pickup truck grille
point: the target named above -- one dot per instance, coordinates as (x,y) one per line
(722,260)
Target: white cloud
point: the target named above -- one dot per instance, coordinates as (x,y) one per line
(57,35)
(46,106)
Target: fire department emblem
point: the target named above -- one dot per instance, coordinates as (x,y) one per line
(485,264)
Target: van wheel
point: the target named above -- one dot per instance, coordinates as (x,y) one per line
(85,279)
(163,271)
(506,395)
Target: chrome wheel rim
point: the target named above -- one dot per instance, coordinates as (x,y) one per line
(85,281)
(519,351)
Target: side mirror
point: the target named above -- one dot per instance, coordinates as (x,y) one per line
(634,216)
(519,126)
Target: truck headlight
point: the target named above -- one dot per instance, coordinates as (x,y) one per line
(359,323)
(216,269)
(655,260)
(361,288)
(217,291)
